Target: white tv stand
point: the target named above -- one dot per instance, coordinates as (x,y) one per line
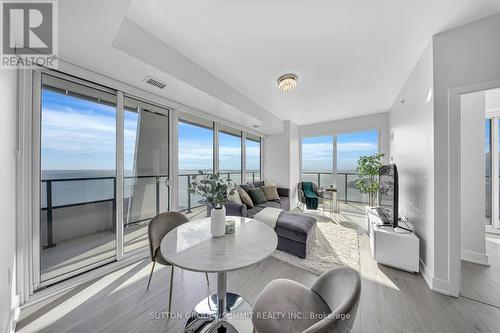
(390,246)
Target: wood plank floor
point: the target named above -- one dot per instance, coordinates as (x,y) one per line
(480,282)
(391,300)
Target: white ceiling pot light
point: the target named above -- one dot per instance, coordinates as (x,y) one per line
(287,82)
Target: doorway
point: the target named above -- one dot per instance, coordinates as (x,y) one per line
(480,195)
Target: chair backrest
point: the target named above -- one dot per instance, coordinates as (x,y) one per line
(160,225)
(340,288)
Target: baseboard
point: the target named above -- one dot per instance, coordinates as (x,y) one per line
(435,284)
(14,316)
(475,257)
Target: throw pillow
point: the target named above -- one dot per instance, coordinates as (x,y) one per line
(257,195)
(246,187)
(245,197)
(271,192)
(268,182)
(235,197)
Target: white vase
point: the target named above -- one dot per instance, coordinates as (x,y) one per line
(218,221)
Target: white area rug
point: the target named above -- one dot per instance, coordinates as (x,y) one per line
(336,245)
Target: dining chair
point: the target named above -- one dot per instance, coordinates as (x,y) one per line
(158,227)
(330,305)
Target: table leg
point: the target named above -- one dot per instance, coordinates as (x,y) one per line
(221,294)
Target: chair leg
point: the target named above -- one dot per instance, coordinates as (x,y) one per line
(170,292)
(151,275)
(206,276)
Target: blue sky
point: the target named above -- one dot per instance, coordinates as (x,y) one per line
(317,152)
(80,134)
(195,150)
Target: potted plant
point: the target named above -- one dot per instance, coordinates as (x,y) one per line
(215,190)
(368,173)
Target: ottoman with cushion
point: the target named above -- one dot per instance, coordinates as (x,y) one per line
(296,233)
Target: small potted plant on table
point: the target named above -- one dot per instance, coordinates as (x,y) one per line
(214,189)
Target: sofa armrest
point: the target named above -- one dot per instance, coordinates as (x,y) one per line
(232,209)
(283,192)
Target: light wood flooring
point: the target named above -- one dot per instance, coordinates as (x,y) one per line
(481,282)
(391,300)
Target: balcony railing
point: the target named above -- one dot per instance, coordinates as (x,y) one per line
(345,183)
(99,194)
(188,201)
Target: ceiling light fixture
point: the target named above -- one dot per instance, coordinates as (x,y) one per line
(287,82)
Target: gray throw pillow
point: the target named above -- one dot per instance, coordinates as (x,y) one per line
(257,195)
(246,187)
(245,197)
(271,192)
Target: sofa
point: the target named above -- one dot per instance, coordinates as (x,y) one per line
(237,209)
(296,233)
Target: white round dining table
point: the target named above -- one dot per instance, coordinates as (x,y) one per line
(192,247)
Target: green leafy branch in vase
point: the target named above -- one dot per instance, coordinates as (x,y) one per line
(212,187)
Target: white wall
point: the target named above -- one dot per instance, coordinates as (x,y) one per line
(8,113)
(463,56)
(472,166)
(411,146)
(281,159)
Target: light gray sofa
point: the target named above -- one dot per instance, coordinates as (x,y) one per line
(296,233)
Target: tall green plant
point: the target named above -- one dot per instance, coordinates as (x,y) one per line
(368,171)
(213,188)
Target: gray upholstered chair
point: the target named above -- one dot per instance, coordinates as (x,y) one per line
(302,197)
(333,298)
(158,227)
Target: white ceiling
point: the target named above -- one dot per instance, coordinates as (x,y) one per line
(352,57)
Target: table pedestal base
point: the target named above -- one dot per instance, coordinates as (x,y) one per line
(237,316)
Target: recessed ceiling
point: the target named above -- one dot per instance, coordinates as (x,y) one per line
(352,57)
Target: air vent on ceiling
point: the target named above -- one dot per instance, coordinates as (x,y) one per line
(155,82)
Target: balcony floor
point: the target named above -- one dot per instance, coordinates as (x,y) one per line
(77,253)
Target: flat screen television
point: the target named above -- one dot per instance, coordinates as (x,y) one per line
(388,195)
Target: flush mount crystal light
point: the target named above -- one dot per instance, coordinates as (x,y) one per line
(287,82)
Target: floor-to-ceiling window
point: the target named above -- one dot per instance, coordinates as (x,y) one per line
(145,169)
(331,160)
(78,177)
(230,153)
(350,147)
(317,160)
(196,150)
(253,160)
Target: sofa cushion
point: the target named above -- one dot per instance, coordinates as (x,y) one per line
(273,204)
(235,197)
(294,226)
(245,197)
(271,192)
(246,187)
(284,203)
(259,183)
(254,210)
(257,196)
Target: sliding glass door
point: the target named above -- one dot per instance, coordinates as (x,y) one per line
(90,212)
(488,171)
(77,178)
(145,169)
